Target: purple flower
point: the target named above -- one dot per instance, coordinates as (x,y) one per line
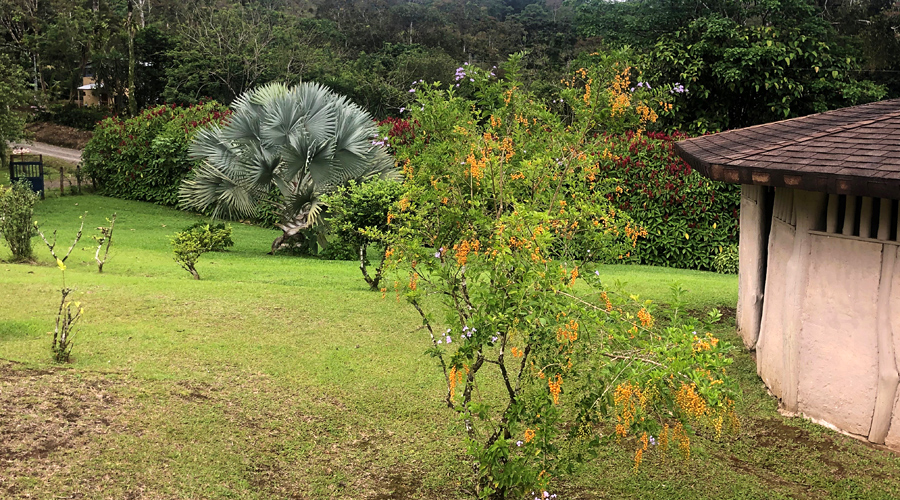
(449,340)
(471,79)
(652,441)
(440,341)
(412,90)
(597,273)
(402,109)
(494,338)
(437,255)
(519,443)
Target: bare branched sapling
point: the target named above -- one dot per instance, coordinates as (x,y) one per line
(52,246)
(104,238)
(69,313)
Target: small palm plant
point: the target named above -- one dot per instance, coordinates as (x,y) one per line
(299,142)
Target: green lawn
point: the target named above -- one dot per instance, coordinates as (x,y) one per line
(284,377)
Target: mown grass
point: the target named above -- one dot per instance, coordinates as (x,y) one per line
(284,377)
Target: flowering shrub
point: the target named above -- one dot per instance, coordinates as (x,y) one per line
(146,157)
(543,363)
(688,218)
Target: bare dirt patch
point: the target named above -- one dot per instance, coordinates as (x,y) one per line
(48,413)
(59,135)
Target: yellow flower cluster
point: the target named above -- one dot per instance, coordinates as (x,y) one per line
(690,402)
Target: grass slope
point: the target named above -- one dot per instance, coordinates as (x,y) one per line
(282,377)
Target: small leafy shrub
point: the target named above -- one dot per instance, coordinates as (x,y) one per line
(687,217)
(726,261)
(145,158)
(190,244)
(16,219)
(358,215)
(220,235)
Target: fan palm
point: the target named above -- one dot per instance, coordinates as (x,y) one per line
(300,142)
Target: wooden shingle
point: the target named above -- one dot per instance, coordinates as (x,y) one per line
(852,150)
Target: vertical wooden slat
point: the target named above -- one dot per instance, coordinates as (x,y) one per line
(849,216)
(832,219)
(865,218)
(884,219)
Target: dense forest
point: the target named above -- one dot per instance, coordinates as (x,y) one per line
(741,63)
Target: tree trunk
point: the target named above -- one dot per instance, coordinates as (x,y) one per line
(132,101)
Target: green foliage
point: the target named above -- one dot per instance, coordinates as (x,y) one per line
(726,261)
(196,240)
(71,115)
(739,75)
(13,96)
(358,216)
(685,218)
(543,363)
(17,219)
(145,158)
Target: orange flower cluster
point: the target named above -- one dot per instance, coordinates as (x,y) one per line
(568,332)
(507,147)
(517,176)
(645,317)
(633,233)
(555,388)
(476,166)
(529,435)
(604,297)
(456,376)
(516,352)
(413,280)
(408,169)
(628,398)
(404,204)
(463,248)
(574,276)
(646,114)
(495,122)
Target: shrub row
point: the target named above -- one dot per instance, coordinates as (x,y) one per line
(146,157)
(72,115)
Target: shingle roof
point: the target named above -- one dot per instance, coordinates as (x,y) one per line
(852,150)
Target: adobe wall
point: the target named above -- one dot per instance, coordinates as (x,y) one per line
(827,344)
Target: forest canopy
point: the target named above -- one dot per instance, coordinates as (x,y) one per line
(742,62)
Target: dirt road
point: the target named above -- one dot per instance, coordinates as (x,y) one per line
(71,155)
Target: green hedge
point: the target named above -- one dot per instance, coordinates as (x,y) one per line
(145,158)
(689,219)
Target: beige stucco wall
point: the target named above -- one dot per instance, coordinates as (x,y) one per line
(827,343)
